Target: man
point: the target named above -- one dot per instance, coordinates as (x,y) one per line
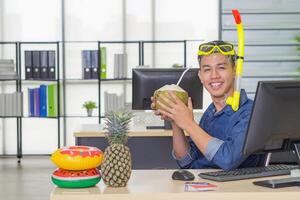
(217,141)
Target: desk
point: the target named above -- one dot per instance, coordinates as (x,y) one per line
(158,185)
(150,149)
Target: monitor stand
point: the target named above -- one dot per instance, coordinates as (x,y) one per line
(286,182)
(167,126)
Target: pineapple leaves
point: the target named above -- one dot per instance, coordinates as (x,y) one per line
(117,126)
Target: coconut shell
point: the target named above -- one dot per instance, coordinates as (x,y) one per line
(164,91)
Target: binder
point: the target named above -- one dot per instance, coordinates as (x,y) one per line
(116,65)
(44,65)
(43,100)
(103,63)
(8,107)
(52,100)
(95,64)
(124,66)
(30,102)
(86,64)
(13,103)
(19,104)
(28,65)
(51,65)
(36,63)
(2,105)
(36,102)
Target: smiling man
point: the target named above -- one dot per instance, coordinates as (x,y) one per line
(217,141)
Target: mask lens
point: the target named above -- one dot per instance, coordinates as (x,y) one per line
(206,48)
(225,48)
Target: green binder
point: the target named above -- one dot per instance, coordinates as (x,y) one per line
(103,62)
(52,100)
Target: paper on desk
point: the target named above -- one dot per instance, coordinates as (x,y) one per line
(198,186)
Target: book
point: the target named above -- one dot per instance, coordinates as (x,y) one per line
(94,64)
(124,66)
(86,64)
(36,63)
(43,100)
(103,63)
(52,100)
(28,65)
(6,61)
(36,102)
(198,186)
(30,102)
(116,65)
(2,105)
(44,65)
(51,65)
(19,104)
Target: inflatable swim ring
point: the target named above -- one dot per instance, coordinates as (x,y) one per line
(76,179)
(77,157)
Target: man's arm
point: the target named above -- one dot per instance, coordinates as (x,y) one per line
(180,143)
(182,116)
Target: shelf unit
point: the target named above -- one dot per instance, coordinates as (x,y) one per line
(17,83)
(23,46)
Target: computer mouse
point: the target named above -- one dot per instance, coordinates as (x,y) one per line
(183,175)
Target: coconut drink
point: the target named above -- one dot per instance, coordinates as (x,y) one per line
(164,91)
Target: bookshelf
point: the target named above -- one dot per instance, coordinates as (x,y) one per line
(41,89)
(72,88)
(10,75)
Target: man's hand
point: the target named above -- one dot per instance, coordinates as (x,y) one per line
(157,112)
(176,110)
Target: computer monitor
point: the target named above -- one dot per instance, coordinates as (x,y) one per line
(146,80)
(275,116)
(275,123)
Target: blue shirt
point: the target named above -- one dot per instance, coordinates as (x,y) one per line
(228,129)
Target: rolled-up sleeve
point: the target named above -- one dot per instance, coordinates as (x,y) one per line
(212,148)
(185,160)
(229,153)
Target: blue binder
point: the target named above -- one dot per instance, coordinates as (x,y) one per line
(43,100)
(30,102)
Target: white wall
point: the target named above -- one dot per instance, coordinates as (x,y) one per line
(92,20)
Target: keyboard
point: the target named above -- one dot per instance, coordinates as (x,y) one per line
(247,173)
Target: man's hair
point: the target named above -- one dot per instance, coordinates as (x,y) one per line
(231,59)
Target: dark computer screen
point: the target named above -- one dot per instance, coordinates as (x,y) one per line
(275,116)
(145,81)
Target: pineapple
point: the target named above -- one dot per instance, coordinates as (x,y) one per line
(116,167)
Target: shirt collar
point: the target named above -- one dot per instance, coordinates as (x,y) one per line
(227,109)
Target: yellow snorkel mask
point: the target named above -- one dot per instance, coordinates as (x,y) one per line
(224,48)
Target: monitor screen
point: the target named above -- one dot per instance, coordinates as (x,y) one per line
(145,81)
(275,116)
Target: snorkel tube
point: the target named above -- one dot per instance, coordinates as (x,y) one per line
(234,100)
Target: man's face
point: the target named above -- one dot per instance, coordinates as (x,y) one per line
(217,74)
